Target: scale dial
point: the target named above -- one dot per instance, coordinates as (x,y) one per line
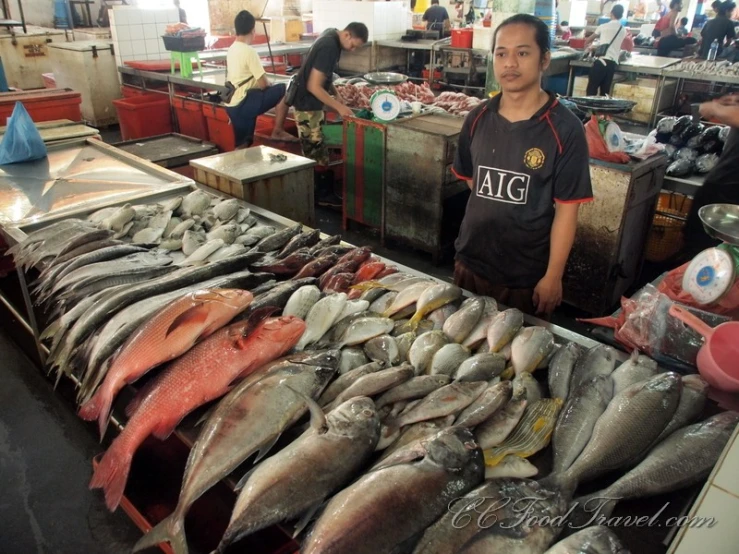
(709,276)
(385,105)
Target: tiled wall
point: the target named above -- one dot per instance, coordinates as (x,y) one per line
(384,20)
(137,33)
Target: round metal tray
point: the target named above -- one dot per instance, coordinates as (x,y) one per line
(721,221)
(386,78)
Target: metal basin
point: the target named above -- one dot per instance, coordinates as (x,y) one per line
(721,221)
(386,78)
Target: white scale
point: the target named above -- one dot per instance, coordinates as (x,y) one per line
(709,276)
(385,105)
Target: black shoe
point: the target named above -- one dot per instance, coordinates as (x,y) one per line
(329,200)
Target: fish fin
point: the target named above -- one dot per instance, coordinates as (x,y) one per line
(402,456)
(266,448)
(253,320)
(206,415)
(306,518)
(367,285)
(171,529)
(494,456)
(416,320)
(317,417)
(508,373)
(164,429)
(197,315)
(111,473)
(244,479)
(51,330)
(91,409)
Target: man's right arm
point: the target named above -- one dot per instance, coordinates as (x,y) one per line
(725,110)
(316,80)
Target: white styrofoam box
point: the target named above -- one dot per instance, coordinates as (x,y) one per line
(150,30)
(139,48)
(152,45)
(137,32)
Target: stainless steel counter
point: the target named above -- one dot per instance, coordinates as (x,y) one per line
(278,49)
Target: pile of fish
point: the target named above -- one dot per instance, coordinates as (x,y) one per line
(393,395)
(722,68)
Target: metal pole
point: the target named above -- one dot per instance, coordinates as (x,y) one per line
(23,17)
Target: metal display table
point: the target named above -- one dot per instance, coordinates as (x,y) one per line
(261,176)
(653,66)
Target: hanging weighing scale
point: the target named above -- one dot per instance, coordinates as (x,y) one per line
(385,106)
(712,274)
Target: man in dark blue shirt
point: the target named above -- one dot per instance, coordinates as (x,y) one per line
(525,159)
(435,17)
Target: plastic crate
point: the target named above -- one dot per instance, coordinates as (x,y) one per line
(190,118)
(220,130)
(666,237)
(143,116)
(43,104)
(184,44)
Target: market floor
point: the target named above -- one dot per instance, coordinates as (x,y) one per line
(45,454)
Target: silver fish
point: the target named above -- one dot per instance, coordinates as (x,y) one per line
(435,297)
(448,400)
(161,220)
(119,218)
(631,422)
(365,328)
(171,204)
(301,301)
(404,342)
(448,359)
(423,349)
(634,370)
(227,252)
(202,253)
(577,420)
(692,402)
(374,383)
(383,348)
(179,230)
(480,367)
(530,347)
(479,332)
(560,369)
(408,297)
(353,307)
(439,316)
(511,467)
(413,433)
(171,245)
(227,233)
(351,358)
(413,389)
(256,414)
(243,214)
(148,236)
(490,401)
(367,518)
(532,386)
(496,429)
(191,241)
(383,303)
(591,540)
(195,203)
(599,360)
(306,472)
(321,317)
(346,380)
(503,328)
(459,325)
(227,210)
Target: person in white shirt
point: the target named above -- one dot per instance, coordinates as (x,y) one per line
(611,34)
(254,94)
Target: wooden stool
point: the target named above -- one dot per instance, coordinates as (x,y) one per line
(185,61)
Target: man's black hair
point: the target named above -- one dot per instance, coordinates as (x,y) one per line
(618,11)
(434,1)
(358,30)
(541,29)
(244,23)
(684,21)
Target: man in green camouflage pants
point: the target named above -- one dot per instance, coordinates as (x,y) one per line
(313,95)
(311,135)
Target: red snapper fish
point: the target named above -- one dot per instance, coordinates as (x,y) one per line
(170,333)
(203,374)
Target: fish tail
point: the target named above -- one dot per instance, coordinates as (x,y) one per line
(367,285)
(98,407)
(111,473)
(494,456)
(416,320)
(171,529)
(562,482)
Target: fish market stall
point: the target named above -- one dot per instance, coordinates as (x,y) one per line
(653,93)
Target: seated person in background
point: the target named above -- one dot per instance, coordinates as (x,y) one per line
(564,28)
(436,17)
(682,29)
(667,31)
(254,94)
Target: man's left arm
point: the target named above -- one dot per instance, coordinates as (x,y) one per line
(572,187)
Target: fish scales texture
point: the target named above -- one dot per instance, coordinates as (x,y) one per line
(389,506)
(189,382)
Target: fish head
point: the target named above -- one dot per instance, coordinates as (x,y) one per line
(283,329)
(664,383)
(325,358)
(453,448)
(696,383)
(357,418)
(726,420)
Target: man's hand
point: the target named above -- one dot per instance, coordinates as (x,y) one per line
(728,100)
(345,111)
(547,295)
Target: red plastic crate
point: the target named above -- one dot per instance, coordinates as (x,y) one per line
(190,118)
(220,130)
(143,116)
(280,68)
(43,104)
